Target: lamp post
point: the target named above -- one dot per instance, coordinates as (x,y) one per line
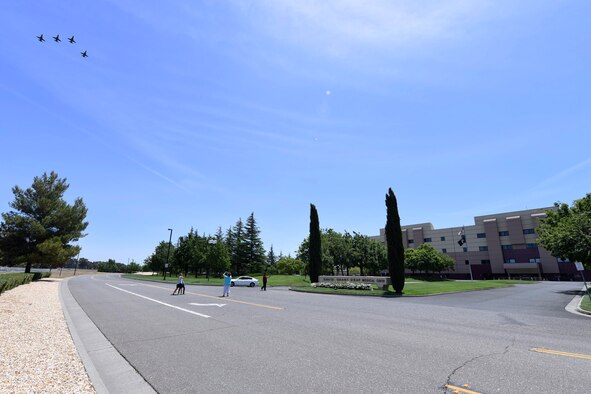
(168,254)
(77,262)
(212,243)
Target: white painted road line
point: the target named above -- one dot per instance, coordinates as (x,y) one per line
(159,302)
(194,303)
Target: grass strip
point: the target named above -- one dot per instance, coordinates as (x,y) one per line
(413,286)
(421,288)
(586,303)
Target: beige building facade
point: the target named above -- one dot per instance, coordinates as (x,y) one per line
(503,245)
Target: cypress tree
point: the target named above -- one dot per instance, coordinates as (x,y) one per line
(394,243)
(314,250)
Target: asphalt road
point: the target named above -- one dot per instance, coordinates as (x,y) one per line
(280,341)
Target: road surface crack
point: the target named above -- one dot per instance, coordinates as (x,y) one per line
(450,376)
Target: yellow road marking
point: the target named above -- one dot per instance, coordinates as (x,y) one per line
(226,299)
(461,389)
(559,353)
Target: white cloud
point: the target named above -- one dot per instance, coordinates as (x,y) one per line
(572,171)
(340,26)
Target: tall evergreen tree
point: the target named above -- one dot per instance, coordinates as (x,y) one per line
(271,258)
(255,251)
(394,243)
(315,259)
(43,225)
(237,247)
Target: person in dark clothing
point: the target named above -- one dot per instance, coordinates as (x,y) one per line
(264,286)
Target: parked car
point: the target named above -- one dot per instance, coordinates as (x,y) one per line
(245,281)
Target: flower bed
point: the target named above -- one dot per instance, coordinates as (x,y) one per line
(344,285)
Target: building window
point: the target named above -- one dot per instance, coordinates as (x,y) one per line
(509,261)
(503,233)
(483,248)
(427,240)
(529,231)
(411,241)
(443,238)
(481,235)
(465,249)
(531,246)
(535,260)
(443,250)
(484,261)
(507,247)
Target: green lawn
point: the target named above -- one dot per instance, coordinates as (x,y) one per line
(272,280)
(586,304)
(414,287)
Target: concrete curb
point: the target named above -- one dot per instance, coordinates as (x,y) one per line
(109,372)
(579,309)
(574,306)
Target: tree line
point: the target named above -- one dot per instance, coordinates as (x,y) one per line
(346,253)
(329,251)
(239,249)
(356,254)
(42,229)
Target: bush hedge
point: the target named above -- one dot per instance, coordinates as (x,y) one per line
(15,279)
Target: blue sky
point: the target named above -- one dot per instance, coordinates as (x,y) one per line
(194,114)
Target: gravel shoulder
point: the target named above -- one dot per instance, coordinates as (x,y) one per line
(37,352)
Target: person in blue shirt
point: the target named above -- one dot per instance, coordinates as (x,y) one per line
(227,283)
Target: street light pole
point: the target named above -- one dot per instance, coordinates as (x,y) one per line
(168,254)
(77,262)
(210,242)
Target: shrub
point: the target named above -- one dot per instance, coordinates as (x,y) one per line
(40,275)
(12,280)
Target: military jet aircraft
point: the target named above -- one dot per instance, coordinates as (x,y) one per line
(57,38)
(71,39)
(40,38)
(84,54)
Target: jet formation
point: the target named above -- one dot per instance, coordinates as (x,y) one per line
(58,39)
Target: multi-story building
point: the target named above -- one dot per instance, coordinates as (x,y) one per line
(496,246)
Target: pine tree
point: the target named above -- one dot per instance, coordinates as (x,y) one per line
(237,247)
(315,262)
(254,246)
(43,225)
(271,258)
(394,243)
